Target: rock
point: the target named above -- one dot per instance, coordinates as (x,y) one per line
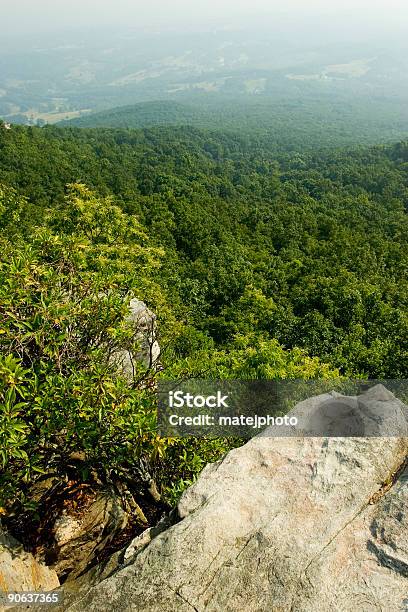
(66,528)
(382,413)
(144,322)
(19,571)
(78,539)
(377,412)
(388,528)
(280,524)
(119,560)
(366,566)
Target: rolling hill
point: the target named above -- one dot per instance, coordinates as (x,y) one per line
(143,114)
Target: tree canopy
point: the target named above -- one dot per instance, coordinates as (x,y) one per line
(259,263)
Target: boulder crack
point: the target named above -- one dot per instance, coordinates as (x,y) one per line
(330,541)
(389,482)
(177,592)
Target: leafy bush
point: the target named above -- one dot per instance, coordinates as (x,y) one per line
(63,305)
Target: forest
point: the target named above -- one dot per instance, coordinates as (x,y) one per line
(286,118)
(260,262)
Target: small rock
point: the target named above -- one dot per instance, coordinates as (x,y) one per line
(78,539)
(144,323)
(19,571)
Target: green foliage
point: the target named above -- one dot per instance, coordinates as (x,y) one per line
(63,306)
(251,357)
(13,430)
(143,114)
(185,459)
(290,115)
(258,265)
(11,206)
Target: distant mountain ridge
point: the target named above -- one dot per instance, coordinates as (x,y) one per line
(142,114)
(300,124)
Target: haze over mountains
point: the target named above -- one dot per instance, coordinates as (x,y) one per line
(311,66)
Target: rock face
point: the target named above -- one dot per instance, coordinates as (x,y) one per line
(375,413)
(78,540)
(19,571)
(143,321)
(280,524)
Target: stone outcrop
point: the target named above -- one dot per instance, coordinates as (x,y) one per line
(280,524)
(78,539)
(375,413)
(143,321)
(19,571)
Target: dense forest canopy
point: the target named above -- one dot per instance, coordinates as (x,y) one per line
(312,245)
(294,119)
(259,261)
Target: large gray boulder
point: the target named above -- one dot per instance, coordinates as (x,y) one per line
(375,413)
(280,524)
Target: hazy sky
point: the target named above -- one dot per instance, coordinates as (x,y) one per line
(40,15)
